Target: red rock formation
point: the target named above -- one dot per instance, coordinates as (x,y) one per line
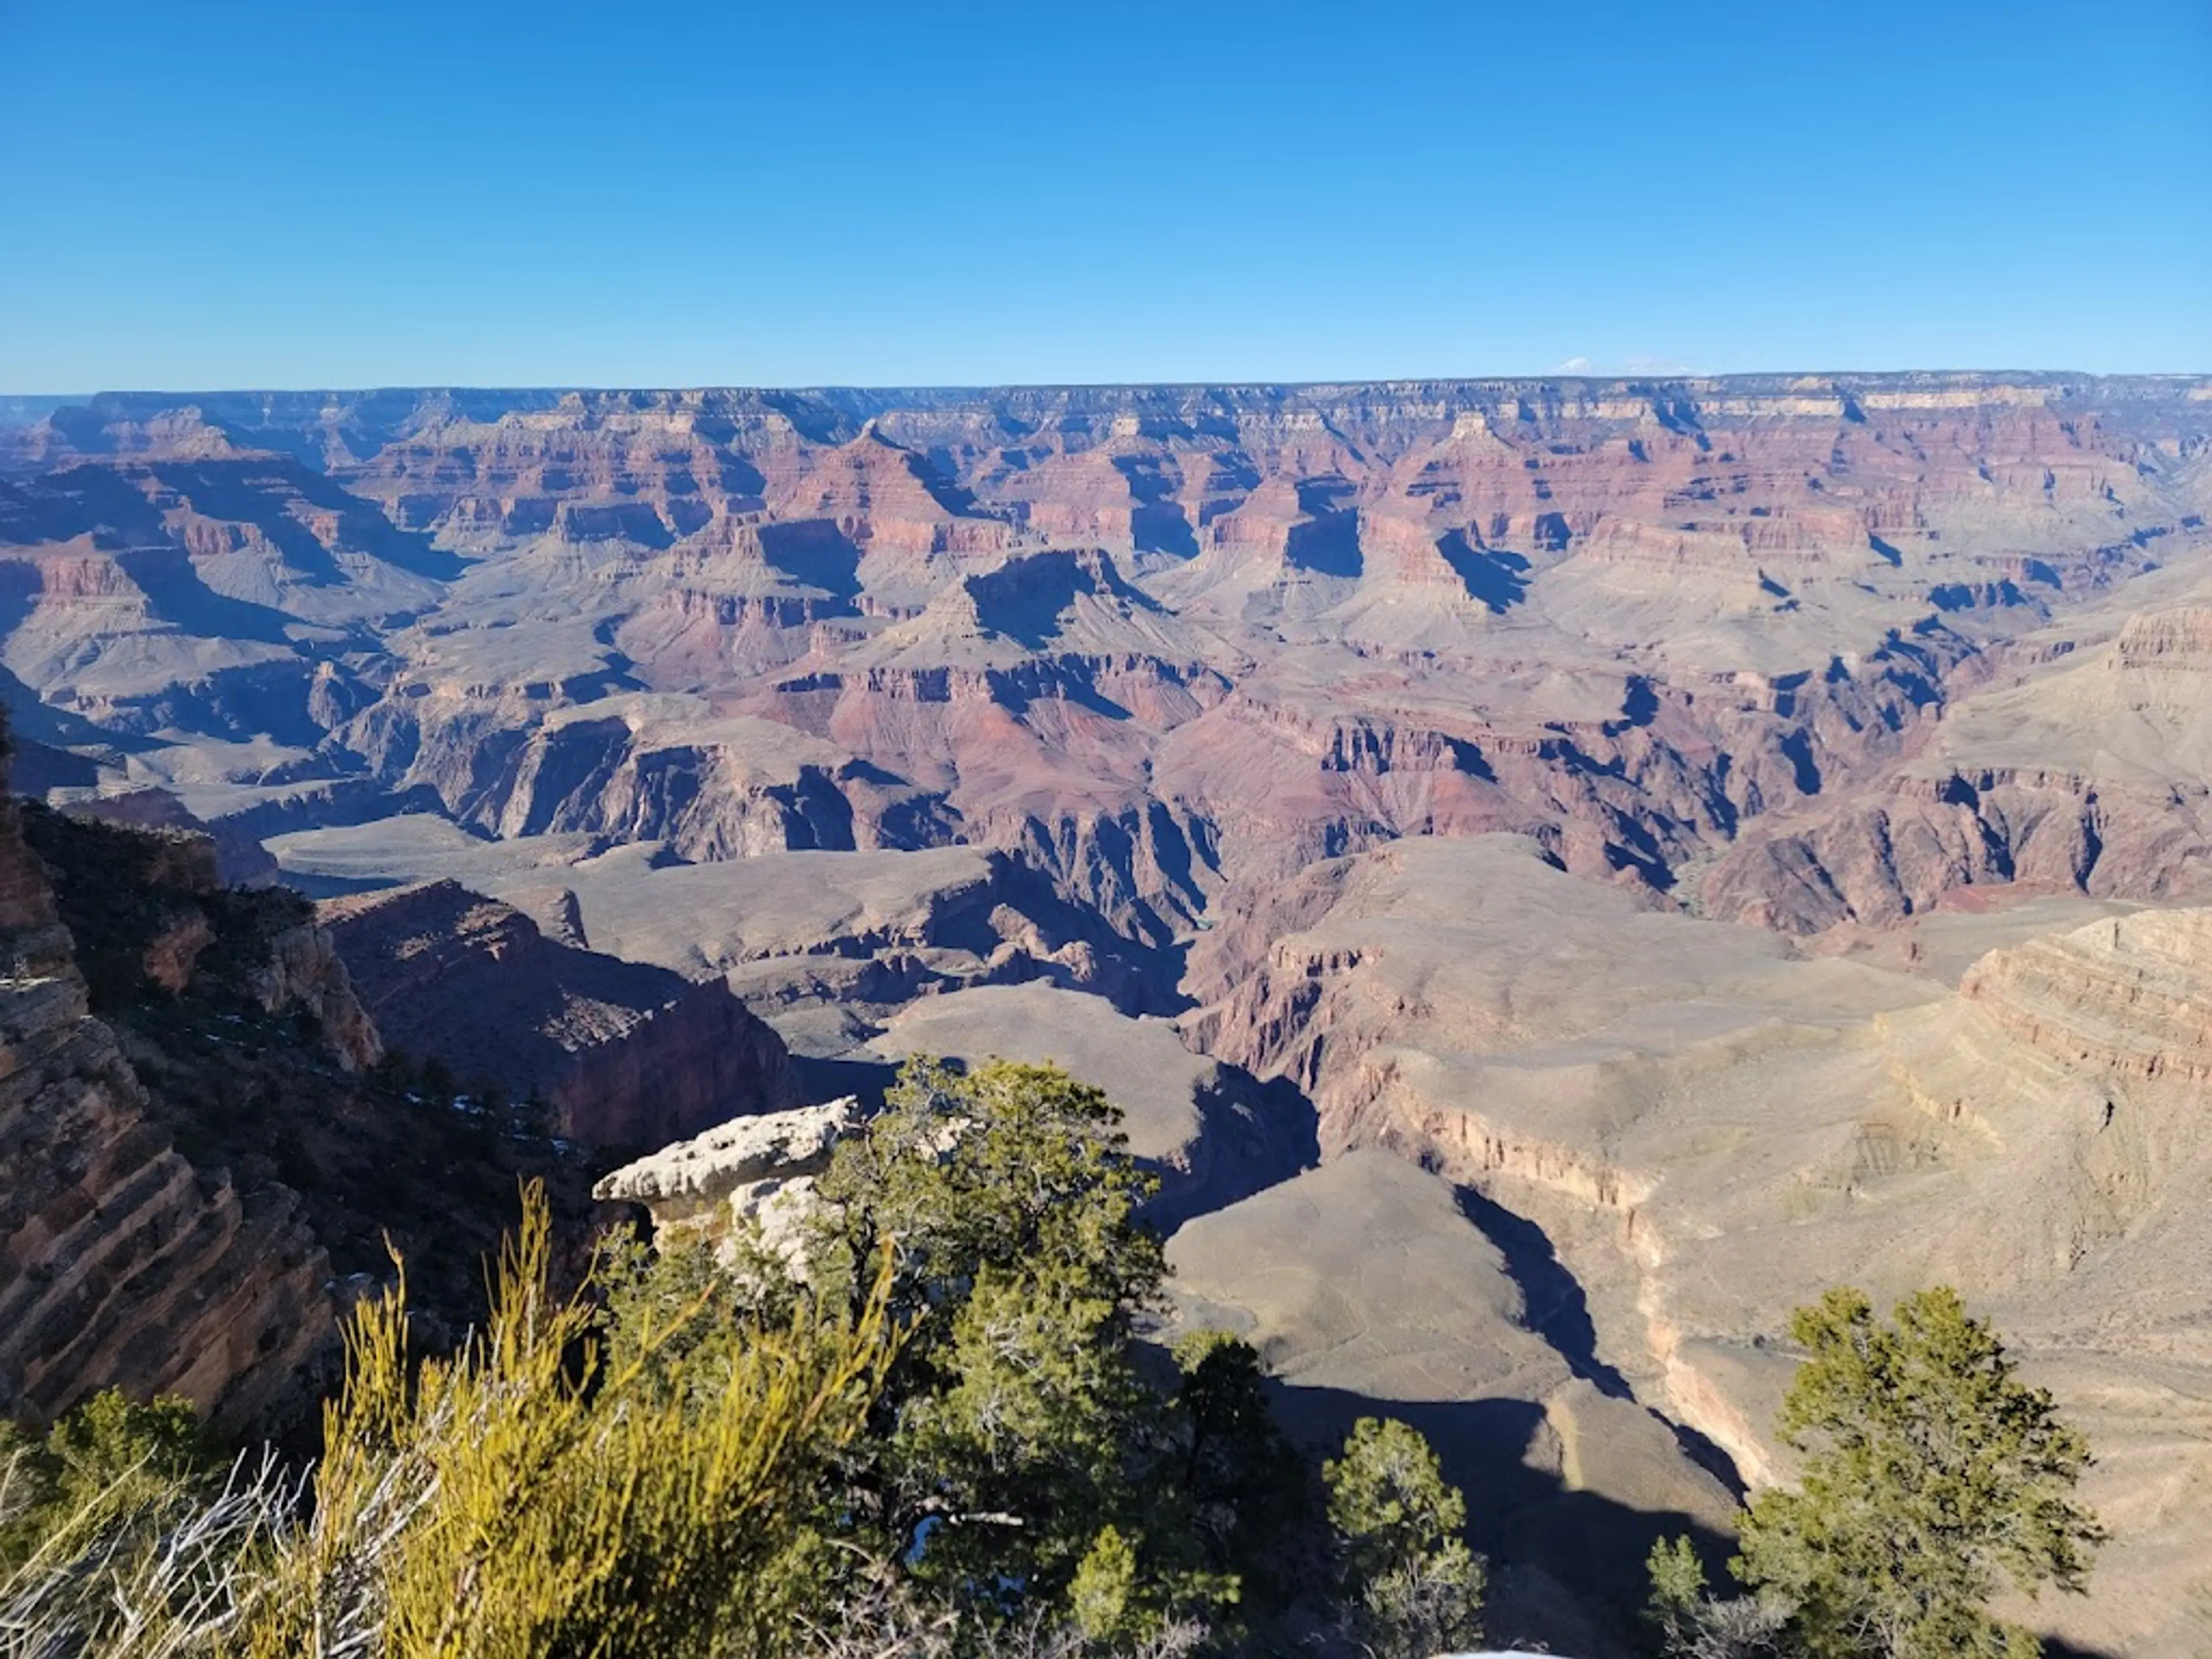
(626,1054)
(1632,619)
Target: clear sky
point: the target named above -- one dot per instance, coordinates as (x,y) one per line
(628,192)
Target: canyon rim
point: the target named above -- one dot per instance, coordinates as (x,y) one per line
(1556,871)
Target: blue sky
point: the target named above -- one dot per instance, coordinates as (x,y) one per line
(486,191)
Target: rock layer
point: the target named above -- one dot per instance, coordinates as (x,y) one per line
(1154,642)
(1453,729)
(2131,997)
(1709,1127)
(625,1053)
(121,1265)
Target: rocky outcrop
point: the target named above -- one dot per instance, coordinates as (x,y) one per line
(683,1181)
(1897,853)
(121,1264)
(750,1178)
(303,970)
(624,1053)
(2131,997)
(172,954)
(149,909)
(239,861)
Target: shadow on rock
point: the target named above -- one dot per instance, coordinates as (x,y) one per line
(1557,1310)
(1566,1565)
(866,1080)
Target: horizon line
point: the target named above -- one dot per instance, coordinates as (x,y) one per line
(1673,377)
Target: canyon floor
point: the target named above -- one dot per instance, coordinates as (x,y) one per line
(1556,873)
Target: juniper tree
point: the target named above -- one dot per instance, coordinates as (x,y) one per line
(1933,1478)
(1411,1586)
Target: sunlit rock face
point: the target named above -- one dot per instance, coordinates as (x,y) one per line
(1733,835)
(1155,641)
(747,1185)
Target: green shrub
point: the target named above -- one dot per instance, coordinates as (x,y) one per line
(108,1457)
(1933,1478)
(1412,1587)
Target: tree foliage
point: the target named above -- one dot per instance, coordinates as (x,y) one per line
(1246,1497)
(119,1535)
(1026,1459)
(1006,1438)
(112,1455)
(1015,1168)
(1692,1624)
(1933,1480)
(1411,1586)
(943,1437)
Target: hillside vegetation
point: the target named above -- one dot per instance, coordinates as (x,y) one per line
(934,1429)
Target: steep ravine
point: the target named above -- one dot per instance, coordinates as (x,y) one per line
(1599,1230)
(1590,1214)
(1587,1212)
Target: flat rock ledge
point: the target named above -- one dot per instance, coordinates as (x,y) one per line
(735,1166)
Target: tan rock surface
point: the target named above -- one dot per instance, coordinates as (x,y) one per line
(1712,1129)
(304,970)
(680,1181)
(2127,997)
(1367,1289)
(749,1180)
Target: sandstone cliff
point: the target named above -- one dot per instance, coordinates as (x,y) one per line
(219,1145)
(623,1053)
(121,1264)
(2126,998)
(148,908)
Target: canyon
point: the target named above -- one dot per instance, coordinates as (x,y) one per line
(1555,872)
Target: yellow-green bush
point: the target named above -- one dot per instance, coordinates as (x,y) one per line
(525,1500)
(529,1497)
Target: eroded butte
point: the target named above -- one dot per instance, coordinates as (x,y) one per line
(1737,835)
